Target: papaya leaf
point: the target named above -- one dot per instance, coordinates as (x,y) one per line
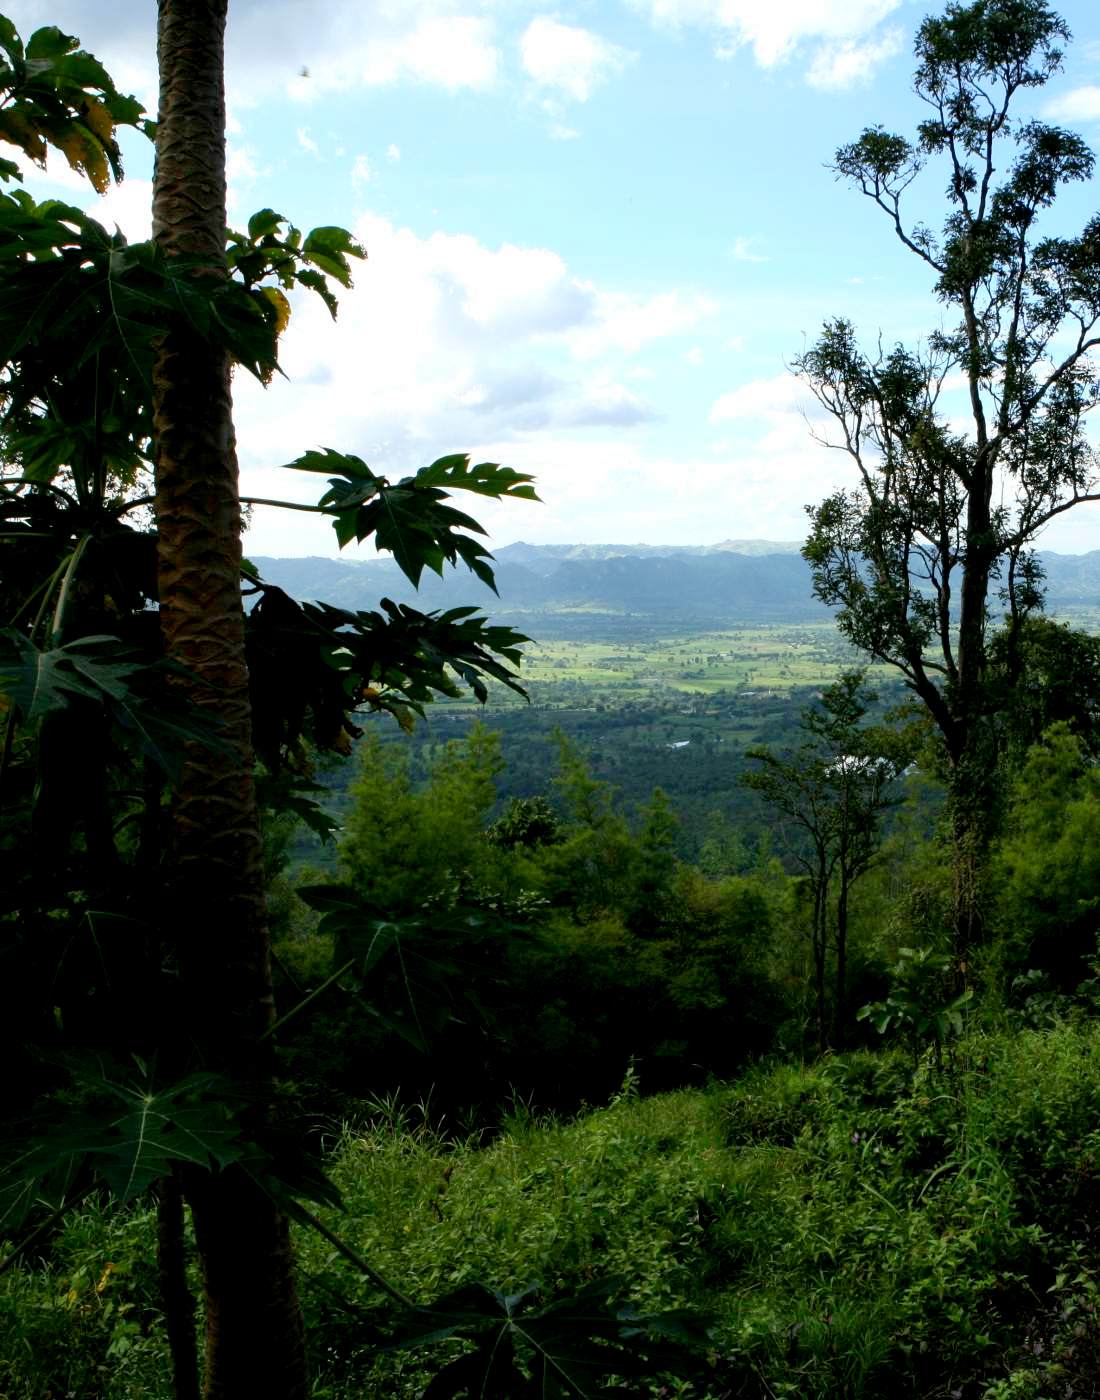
(48,44)
(263,223)
(101,670)
(415,526)
(10,40)
(281,1163)
(56,94)
(316,283)
(420,973)
(455,473)
(134,1135)
(38,682)
(329,460)
(488,1373)
(571,1346)
(287,793)
(410,519)
(154,1130)
(312,666)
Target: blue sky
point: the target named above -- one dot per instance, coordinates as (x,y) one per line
(597,235)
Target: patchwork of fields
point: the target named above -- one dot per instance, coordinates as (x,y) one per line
(770,657)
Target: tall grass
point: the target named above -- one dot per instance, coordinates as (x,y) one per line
(854,1229)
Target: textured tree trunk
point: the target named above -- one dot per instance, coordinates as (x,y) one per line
(254,1341)
(820,946)
(175,1296)
(972,770)
(840,994)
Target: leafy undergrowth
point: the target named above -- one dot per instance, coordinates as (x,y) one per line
(852,1229)
(85,1322)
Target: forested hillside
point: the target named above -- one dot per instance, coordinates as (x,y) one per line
(681,978)
(741,583)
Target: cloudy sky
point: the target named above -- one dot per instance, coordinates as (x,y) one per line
(598,232)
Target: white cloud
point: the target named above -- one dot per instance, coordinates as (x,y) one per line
(1078,105)
(695,355)
(742,251)
(607,404)
(619,492)
(506,289)
(845,62)
(771,400)
(773,30)
(559,132)
(448,51)
(241,172)
(625,322)
(569,60)
(446,343)
(393,152)
(269,43)
(360,171)
(306,141)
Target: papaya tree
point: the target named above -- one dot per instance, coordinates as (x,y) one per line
(936,535)
(138,700)
(217,918)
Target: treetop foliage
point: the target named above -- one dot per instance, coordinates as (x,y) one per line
(54,93)
(937,533)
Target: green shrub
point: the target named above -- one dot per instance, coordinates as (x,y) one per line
(857,1229)
(83,1317)
(620,1191)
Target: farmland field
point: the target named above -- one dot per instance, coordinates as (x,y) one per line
(648,710)
(775,657)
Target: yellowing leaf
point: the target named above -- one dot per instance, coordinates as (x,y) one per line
(83,152)
(99,119)
(281,305)
(15,127)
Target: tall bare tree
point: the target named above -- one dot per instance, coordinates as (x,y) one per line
(940,524)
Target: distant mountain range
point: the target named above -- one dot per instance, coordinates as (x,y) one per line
(735,581)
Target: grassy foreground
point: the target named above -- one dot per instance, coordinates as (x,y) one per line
(854,1228)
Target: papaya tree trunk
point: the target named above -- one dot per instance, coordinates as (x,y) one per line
(175,1295)
(215,902)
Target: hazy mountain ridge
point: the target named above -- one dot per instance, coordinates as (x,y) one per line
(734,581)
